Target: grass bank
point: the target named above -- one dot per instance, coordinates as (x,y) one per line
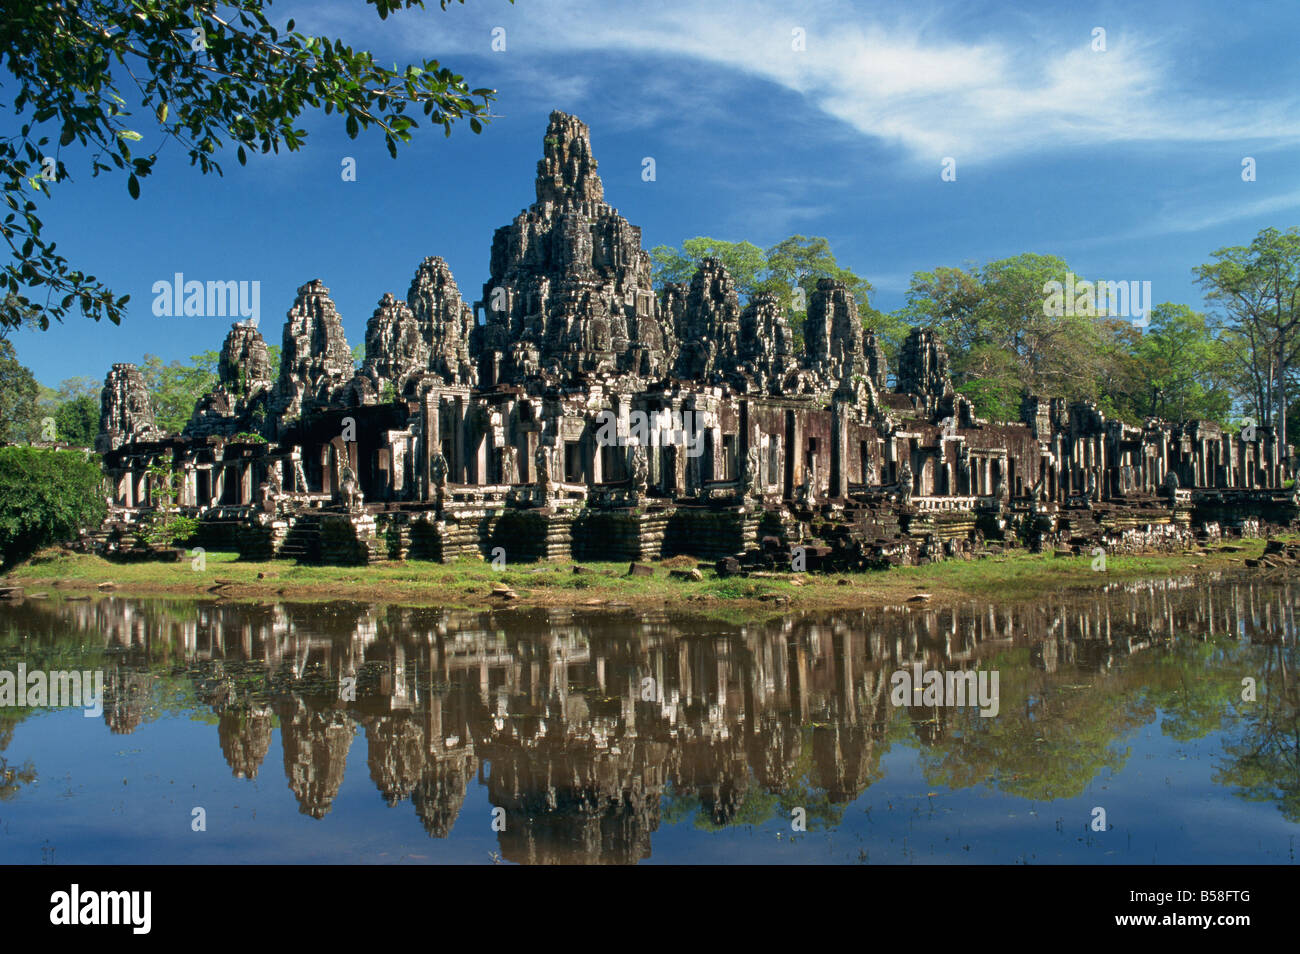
(470,583)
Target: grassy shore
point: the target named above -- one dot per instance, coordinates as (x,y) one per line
(470,583)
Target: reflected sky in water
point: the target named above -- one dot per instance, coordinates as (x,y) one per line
(367,733)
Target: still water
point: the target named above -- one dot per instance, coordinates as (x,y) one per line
(364,733)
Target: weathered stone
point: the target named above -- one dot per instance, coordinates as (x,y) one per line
(765,345)
(315,360)
(728,567)
(397,347)
(877,365)
(446,322)
(710,324)
(570,288)
(923,371)
(589,419)
(126,413)
(833,332)
(238,402)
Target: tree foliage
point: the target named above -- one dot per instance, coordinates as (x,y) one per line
(1003,344)
(789,270)
(101,75)
(1001,338)
(1183,368)
(166,525)
(45,497)
(1256,290)
(19,417)
(76,421)
(176,387)
(744,261)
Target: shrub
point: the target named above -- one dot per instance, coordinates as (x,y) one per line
(46,496)
(166,526)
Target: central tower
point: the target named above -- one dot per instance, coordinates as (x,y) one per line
(569,292)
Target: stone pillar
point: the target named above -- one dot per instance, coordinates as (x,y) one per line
(432,435)
(838,486)
(189,489)
(457,463)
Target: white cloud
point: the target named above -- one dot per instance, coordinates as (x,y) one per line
(903,81)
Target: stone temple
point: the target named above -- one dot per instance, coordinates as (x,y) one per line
(575,411)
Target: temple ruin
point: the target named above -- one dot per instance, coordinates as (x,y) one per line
(574,411)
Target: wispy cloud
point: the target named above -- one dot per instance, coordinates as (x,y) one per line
(901,80)
(1197,218)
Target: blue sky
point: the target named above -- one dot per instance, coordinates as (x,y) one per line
(1126,163)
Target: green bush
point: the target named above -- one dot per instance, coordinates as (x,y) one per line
(166,526)
(46,497)
(77,421)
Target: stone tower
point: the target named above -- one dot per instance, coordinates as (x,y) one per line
(766,345)
(569,291)
(396,346)
(877,364)
(244,375)
(923,371)
(315,360)
(710,323)
(125,411)
(833,333)
(445,320)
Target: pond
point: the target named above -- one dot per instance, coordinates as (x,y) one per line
(1152,722)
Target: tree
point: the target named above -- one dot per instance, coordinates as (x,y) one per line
(799,262)
(175,388)
(19,415)
(1002,340)
(166,525)
(46,496)
(201,73)
(793,264)
(1182,365)
(15,313)
(744,261)
(76,421)
(1257,289)
(81,386)
(74,409)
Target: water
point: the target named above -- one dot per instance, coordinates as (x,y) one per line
(363,733)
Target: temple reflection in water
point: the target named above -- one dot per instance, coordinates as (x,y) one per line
(585,725)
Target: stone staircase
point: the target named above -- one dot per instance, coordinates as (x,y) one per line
(303,541)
